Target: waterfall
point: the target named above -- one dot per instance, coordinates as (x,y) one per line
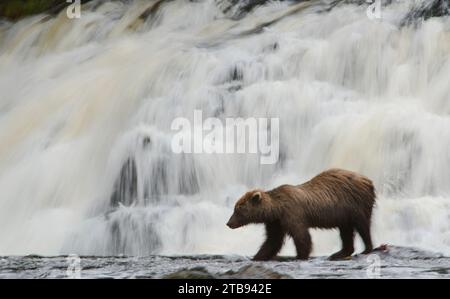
(86,107)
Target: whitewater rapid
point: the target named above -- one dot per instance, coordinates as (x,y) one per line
(80,97)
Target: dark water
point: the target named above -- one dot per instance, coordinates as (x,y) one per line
(397,262)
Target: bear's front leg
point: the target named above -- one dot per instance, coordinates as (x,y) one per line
(302,241)
(274,241)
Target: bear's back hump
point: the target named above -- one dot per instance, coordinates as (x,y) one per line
(340,184)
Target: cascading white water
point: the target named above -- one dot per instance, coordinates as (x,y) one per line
(80,97)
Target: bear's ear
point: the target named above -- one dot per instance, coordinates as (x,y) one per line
(256,198)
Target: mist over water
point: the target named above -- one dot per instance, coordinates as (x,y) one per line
(86,107)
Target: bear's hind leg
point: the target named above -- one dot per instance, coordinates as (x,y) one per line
(347,237)
(363,228)
(274,241)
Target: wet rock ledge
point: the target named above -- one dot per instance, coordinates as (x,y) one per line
(246,272)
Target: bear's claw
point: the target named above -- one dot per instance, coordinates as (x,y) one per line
(340,256)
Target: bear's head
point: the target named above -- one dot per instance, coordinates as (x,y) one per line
(253,207)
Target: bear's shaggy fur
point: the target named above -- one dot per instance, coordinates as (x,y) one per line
(335,198)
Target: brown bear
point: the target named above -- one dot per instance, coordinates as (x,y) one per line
(335,198)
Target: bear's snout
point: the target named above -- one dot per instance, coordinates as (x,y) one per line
(233,223)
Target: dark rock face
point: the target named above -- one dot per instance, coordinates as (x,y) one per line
(429,9)
(254,272)
(125,189)
(194,273)
(132,233)
(247,272)
(422,11)
(16,9)
(239,8)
